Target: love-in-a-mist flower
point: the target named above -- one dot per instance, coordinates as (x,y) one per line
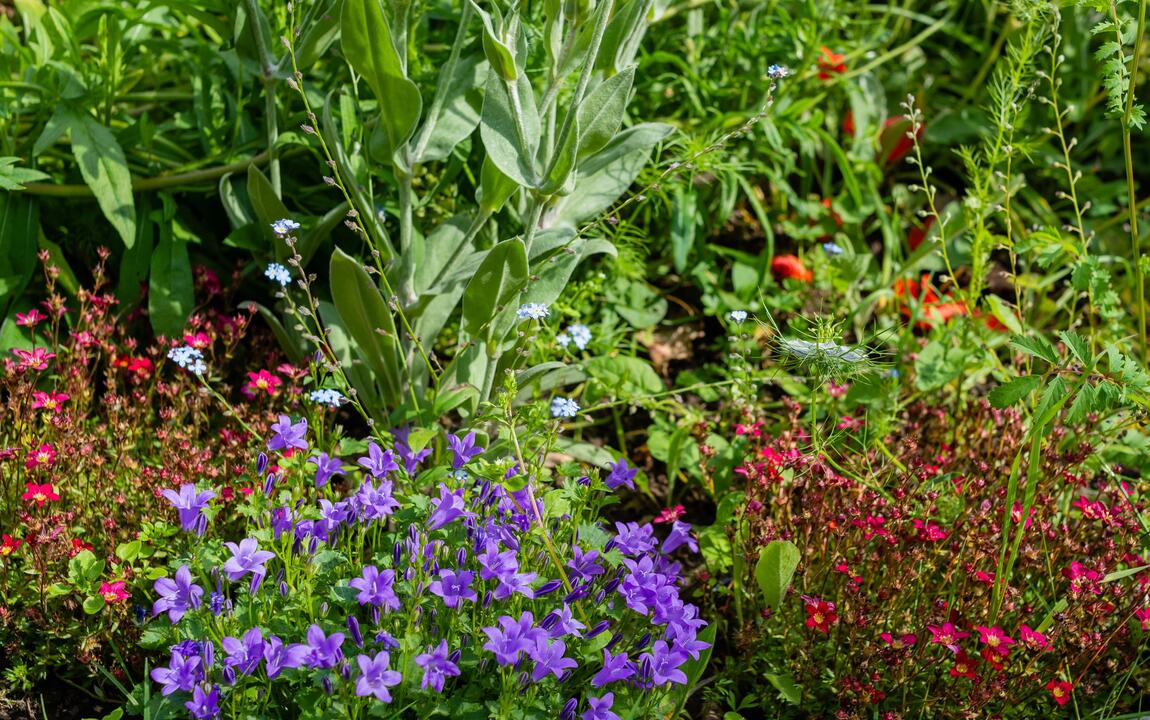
(43,456)
(190,506)
(562,407)
(375,676)
(114,592)
(288,436)
(437,667)
(39,493)
(246,558)
(177,595)
(51,401)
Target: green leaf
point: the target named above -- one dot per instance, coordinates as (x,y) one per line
(684,221)
(1016,389)
(1078,348)
(498,52)
(19,231)
(494,187)
(1037,346)
(774,570)
(369,48)
(1004,313)
(460,112)
(633,140)
(601,112)
(937,364)
(512,151)
(268,208)
(368,321)
(787,688)
(564,164)
(13,177)
(128,551)
(171,288)
(499,278)
(289,342)
(694,668)
(93,604)
(105,170)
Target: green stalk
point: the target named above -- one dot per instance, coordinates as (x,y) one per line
(1131,200)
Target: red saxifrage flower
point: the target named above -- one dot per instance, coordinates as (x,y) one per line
(820,613)
(40,493)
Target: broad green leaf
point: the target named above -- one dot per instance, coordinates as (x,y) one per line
(937,364)
(268,208)
(498,52)
(494,187)
(368,321)
(622,37)
(511,143)
(774,570)
(94,604)
(370,49)
(319,232)
(171,288)
(560,171)
(601,112)
(462,103)
(19,230)
(105,170)
(787,688)
(496,283)
(633,140)
(684,221)
(1011,392)
(128,551)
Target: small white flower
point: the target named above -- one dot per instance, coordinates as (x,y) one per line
(197,367)
(564,407)
(284,227)
(188,358)
(737,316)
(326,396)
(532,311)
(563,339)
(831,248)
(580,335)
(278,273)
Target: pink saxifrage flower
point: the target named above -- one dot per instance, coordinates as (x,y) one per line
(43,455)
(262,381)
(946,635)
(995,639)
(113,591)
(39,493)
(53,401)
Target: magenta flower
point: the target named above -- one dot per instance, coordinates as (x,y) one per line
(946,635)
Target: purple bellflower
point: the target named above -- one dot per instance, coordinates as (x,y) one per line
(177,596)
(437,666)
(190,506)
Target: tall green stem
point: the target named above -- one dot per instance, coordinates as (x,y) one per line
(1131,200)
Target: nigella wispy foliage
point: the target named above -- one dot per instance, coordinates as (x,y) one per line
(491,596)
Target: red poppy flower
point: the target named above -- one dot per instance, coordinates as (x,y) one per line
(1060,690)
(39,494)
(831,63)
(790,266)
(931,310)
(849,123)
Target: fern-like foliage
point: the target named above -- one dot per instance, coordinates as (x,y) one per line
(1117,33)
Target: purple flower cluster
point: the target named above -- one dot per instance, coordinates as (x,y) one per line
(467,571)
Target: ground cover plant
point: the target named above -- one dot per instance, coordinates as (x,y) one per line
(613,359)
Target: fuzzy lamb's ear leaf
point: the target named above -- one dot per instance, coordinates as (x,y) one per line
(774,570)
(502,274)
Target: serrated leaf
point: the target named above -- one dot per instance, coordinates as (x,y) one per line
(1085,401)
(1004,313)
(1011,392)
(774,570)
(1078,348)
(12,177)
(1037,346)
